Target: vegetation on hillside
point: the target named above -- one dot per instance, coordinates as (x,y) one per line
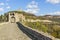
(54,30)
(47,18)
(3,18)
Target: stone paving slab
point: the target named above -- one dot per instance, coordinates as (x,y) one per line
(10,31)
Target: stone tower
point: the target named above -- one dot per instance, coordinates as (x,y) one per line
(16,17)
(13,17)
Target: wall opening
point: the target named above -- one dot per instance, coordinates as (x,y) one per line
(13,20)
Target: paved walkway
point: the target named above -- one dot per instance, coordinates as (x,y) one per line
(12,32)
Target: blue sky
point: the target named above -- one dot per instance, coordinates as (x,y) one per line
(37,7)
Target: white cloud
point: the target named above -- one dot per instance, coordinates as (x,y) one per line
(53,1)
(1,3)
(32,11)
(1,9)
(32,7)
(57,13)
(8,7)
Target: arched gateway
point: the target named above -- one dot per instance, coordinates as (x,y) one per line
(13,20)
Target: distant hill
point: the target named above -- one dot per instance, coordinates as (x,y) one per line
(55,18)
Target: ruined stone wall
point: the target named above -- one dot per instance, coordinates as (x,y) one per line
(17,16)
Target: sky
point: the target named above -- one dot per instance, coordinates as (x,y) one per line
(37,7)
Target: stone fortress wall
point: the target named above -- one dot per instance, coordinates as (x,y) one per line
(17,17)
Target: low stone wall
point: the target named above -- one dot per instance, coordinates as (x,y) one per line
(31,20)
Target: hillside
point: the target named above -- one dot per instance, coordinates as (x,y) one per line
(55,18)
(52,28)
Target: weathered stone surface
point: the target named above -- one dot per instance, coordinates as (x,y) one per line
(10,31)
